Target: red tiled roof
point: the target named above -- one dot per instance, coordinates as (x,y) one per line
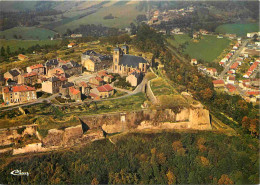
(99,79)
(58,70)
(71,44)
(218,81)
(193,60)
(22,56)
(93,95)
(102,73)
(105,88)
(230,72)
(212,69)
(74,91)
(62,78)
(253,92)
(234,66)
(83,84)
(231,88)
(247,80)
(22,88)
(29,74)
(36,66)
(231,78)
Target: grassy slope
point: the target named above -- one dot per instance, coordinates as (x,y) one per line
(239,29)
(125,15)
(15,44)
(28,33)
(193,158)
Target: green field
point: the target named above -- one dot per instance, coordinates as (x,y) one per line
(125,14)
(15,44)
(239,29)
(208,48)
(27,33)
(177,40)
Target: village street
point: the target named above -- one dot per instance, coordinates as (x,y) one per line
(233,59)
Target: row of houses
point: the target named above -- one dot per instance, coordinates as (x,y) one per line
(251,69)
(51,75)
(33,74)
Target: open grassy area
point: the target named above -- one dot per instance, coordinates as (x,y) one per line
(208,48)
(16,44)
(27,33)
(161,87)
(177,40)
(125,14)
(239,29)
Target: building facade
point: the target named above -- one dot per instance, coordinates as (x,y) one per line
(125,64)
(18,94)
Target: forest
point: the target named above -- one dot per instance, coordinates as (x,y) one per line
(144,158)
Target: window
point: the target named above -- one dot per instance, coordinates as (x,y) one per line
(116,60)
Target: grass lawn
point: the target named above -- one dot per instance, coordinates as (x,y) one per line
(27,33)
(15,44)
(125,14)
(177,40)
(239,29)
(208,48)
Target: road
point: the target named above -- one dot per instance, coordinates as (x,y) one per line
(233,59)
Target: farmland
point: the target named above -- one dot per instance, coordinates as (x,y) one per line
(239,29)
(208,48)
(124,15)
(27,33)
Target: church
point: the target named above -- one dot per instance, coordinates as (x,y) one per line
(124,64)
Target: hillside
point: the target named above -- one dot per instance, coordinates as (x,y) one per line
(144,158)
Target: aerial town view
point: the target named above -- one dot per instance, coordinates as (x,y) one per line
(129,92)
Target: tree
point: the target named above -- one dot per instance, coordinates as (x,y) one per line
(2,51)
(245,122)
(8,51)
(171,177)
(133,28)
(94,181)
(225,180)
(253,128)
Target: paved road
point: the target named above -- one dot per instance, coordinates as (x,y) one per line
(233,59)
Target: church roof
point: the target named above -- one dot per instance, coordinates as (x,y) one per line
(131,60)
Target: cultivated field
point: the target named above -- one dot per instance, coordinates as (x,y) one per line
(124,15)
